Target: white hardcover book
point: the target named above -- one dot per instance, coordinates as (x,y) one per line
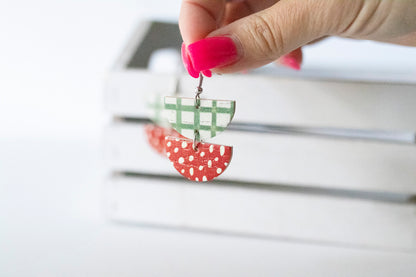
(262,212)
(281,159)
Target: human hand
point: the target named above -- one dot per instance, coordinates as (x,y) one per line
(227,36)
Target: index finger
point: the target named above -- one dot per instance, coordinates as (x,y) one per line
(198,18)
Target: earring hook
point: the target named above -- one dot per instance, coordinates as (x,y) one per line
(198,91)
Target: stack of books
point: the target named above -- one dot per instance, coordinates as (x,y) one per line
(316,158)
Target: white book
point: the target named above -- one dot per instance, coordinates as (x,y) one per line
(281,159)
(264,212)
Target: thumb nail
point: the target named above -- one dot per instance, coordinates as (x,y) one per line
(212,52)
(187,62)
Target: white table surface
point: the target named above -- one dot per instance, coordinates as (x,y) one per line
(53,60)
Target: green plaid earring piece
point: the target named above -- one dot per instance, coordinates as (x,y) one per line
(198,120)
(209,118)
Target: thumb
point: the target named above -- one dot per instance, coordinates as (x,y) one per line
(262,37)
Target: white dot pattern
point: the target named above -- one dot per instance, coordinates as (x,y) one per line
(222,150)
(209,161)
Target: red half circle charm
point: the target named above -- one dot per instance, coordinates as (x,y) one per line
(204,164)
(156,136)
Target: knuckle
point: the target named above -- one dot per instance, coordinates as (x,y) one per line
(266,37)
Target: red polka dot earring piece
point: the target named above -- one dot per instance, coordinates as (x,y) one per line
(159,128)
(198,119)
(203,164)
(156,137)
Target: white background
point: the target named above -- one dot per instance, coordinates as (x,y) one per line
(54,56)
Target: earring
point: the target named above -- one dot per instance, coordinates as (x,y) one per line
(158,129)
(197,120)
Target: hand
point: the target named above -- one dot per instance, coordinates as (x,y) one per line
(229,36)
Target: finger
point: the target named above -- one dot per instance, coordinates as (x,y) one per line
(198,18)
(258,5)
(236,9)
(269,34)
(265,36)
(406,40)
(317,40)
(292,60)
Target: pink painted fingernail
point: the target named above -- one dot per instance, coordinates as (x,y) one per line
(212,52)
(187,62)
(207,73)
(290,62)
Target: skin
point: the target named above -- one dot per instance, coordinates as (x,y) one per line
(265,30)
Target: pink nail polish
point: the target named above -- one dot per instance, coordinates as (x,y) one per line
(290,62)
(212,52)
(187,62)
(207,73)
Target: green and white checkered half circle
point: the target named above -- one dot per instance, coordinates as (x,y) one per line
(155,109)
(212,116)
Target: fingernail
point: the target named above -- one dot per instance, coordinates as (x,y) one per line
(187,62)
(290,62)
(207,73)
(212,53)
